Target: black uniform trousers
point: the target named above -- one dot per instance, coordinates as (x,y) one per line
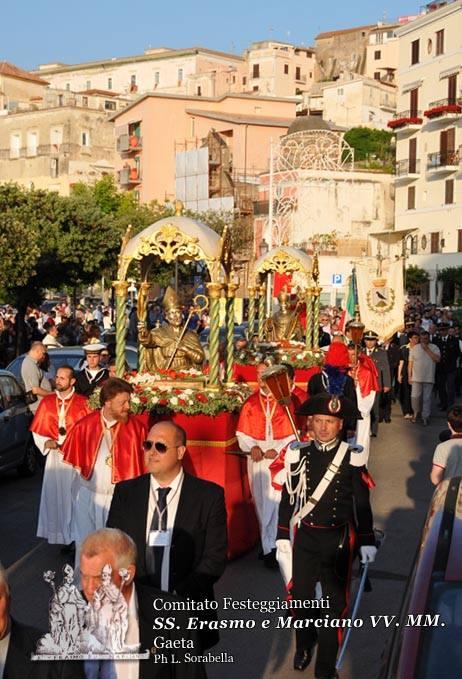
(446,385)
(321,555)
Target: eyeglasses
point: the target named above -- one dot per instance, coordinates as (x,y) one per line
(158,445)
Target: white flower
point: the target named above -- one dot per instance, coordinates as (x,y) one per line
(174,401)
(155,399)
(188,392)
(300,357)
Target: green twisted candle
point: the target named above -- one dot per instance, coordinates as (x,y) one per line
(142,313)
(121,288)
(317,306)
(251,314)
(309,320)
(229,337)
(261,312)
(214,337)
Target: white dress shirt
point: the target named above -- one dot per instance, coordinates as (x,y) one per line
(129,669)
(101,479)
(4,645)
(172,506)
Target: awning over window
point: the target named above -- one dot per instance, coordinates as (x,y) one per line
(412,86)
(450,71)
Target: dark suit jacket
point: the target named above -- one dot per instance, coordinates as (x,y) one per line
(199,540)
(380,358)
(450,352)
(23,641)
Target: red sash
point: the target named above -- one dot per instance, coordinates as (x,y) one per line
(82,445)
(252,418)
(45,422)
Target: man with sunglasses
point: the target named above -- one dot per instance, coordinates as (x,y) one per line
(177,521)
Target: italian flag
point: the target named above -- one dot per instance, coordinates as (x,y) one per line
(349,311)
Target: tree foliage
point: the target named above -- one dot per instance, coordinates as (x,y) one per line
(370,144)
(451,274)
(415,277)
(57,242)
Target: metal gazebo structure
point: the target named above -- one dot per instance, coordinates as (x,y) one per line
(179,238)
(287,260)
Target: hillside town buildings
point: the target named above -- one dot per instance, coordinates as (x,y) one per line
(428,127)
(161,150)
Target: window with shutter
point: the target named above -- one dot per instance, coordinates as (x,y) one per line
(452,88)
(449,191)
(435,242)
(411,198)
(439,42)
(415,48)
(412,155)
(414,103)
(459,240)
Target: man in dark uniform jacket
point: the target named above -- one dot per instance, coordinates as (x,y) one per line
(93,375)
(380,358)
(326,530)
(192,513)
(447,367)
(334,379)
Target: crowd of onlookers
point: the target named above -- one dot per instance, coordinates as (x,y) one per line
(56,327)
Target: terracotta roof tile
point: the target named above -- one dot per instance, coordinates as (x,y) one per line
(13,71)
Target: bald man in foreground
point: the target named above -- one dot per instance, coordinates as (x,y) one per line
(177,521)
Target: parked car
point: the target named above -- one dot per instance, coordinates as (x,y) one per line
(73,356)
(432,648)
(17,449)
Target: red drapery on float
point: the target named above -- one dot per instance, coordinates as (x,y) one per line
(209,440)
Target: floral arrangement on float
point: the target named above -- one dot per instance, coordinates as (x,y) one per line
(285,351)
(298,356)
(166,392)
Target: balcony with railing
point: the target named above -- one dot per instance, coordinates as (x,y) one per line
(129,143)
(443,161)
(409,168)
(129,176)
(406,120)
(442,109)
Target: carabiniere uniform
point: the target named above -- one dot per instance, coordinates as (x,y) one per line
(327,537)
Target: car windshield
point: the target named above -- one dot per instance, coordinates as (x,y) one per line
(440,646)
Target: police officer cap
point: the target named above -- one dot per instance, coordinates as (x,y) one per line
(370,334)
(326,404)
(443,326)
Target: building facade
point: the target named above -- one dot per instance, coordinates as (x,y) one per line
(18,88)
(357,101)
(279,69)
(319,201)
(174,71)
(152,133)
(428,126)
(55,147)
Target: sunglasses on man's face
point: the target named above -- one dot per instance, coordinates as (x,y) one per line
(158,445)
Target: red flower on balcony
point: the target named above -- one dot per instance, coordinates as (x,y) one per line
(439,110)
(400,122)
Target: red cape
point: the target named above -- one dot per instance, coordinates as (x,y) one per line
(252,418)
(367,375)
(81,447)
(45,422)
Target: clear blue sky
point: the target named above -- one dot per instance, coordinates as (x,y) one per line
(51,30)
